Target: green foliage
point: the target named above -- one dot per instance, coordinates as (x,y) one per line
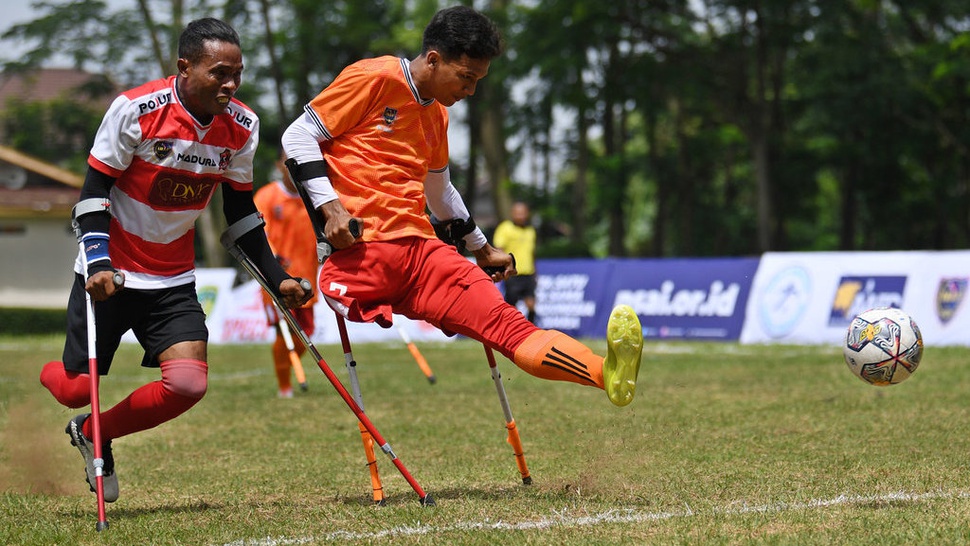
(657,128)
(18,321)
(60,131)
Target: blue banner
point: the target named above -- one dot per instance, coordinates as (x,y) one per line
(701,299)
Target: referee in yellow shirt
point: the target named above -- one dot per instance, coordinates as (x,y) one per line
(516,236)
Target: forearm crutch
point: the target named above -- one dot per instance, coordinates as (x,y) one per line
(418,357)
(366,438)
(95,416)
(229,242)
(513,437)
(291,348)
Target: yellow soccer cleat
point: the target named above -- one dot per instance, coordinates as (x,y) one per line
(624,346)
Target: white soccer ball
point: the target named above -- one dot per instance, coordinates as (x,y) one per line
(883,346)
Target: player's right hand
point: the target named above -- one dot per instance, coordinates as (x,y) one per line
(104,284)
(338,228)
(295,293)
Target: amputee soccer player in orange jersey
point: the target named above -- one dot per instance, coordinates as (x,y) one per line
(373,147)
(291,237)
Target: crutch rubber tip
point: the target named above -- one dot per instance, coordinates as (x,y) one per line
(101,526)
(432,379)
(527,480)
(382,502)
(304,387)
(427,501)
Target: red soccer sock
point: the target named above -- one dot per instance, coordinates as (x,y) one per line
(281,364)
(182,385)
(71,389)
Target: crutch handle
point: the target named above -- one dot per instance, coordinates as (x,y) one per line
(305,285)
(355,227)
(118,279)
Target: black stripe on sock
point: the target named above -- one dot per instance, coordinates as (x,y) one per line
(568,361)
(567,370)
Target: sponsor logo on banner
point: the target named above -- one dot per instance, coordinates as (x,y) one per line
(856,294)
(784,301)
(208,294)
(561,301)
(949,296)
(717,301)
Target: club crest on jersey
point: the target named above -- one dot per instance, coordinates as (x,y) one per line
(390,114)
(224,158)
(162,149)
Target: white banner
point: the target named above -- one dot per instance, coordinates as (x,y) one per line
(810,297)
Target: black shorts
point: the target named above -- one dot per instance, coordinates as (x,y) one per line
(159,319)
(520,287)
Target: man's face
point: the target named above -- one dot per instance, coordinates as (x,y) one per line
(455,79)
(209,83)
(520,214)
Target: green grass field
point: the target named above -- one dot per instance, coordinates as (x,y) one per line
(725,444)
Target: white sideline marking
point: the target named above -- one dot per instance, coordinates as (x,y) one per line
(611,516)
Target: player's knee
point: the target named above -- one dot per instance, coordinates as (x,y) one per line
(70,389)
(185,377)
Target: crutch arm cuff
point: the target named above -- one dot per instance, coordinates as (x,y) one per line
(246,235)
(242,226)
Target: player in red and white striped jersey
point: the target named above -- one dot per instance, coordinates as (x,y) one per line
(161,151)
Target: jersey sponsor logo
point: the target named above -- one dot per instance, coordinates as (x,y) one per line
(179,192)
(162,149)
(949,295)
(154,102)
(242,118)
(195,159)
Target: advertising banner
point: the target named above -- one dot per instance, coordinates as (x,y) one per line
(810,297)
(674,298)
(702,299)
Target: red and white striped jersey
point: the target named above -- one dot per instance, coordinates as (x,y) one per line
(167,166)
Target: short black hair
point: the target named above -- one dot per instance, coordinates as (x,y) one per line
(461,30)
(197,32)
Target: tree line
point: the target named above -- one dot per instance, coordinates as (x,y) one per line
(643,127)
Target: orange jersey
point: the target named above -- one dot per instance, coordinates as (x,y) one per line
(383,140)
(288,230)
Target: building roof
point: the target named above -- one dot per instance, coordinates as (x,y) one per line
(44,189)
(44,84)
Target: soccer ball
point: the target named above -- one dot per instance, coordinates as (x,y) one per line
(883,346)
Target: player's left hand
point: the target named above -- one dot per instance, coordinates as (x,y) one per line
(497,264)
(296,292)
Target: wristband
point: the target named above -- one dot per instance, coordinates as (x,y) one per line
(96,248)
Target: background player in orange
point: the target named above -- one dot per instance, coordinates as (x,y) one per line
(291,237)
(372,148)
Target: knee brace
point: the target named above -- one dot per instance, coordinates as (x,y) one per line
(185,376)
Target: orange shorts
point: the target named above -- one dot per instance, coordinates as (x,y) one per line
(422,279)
